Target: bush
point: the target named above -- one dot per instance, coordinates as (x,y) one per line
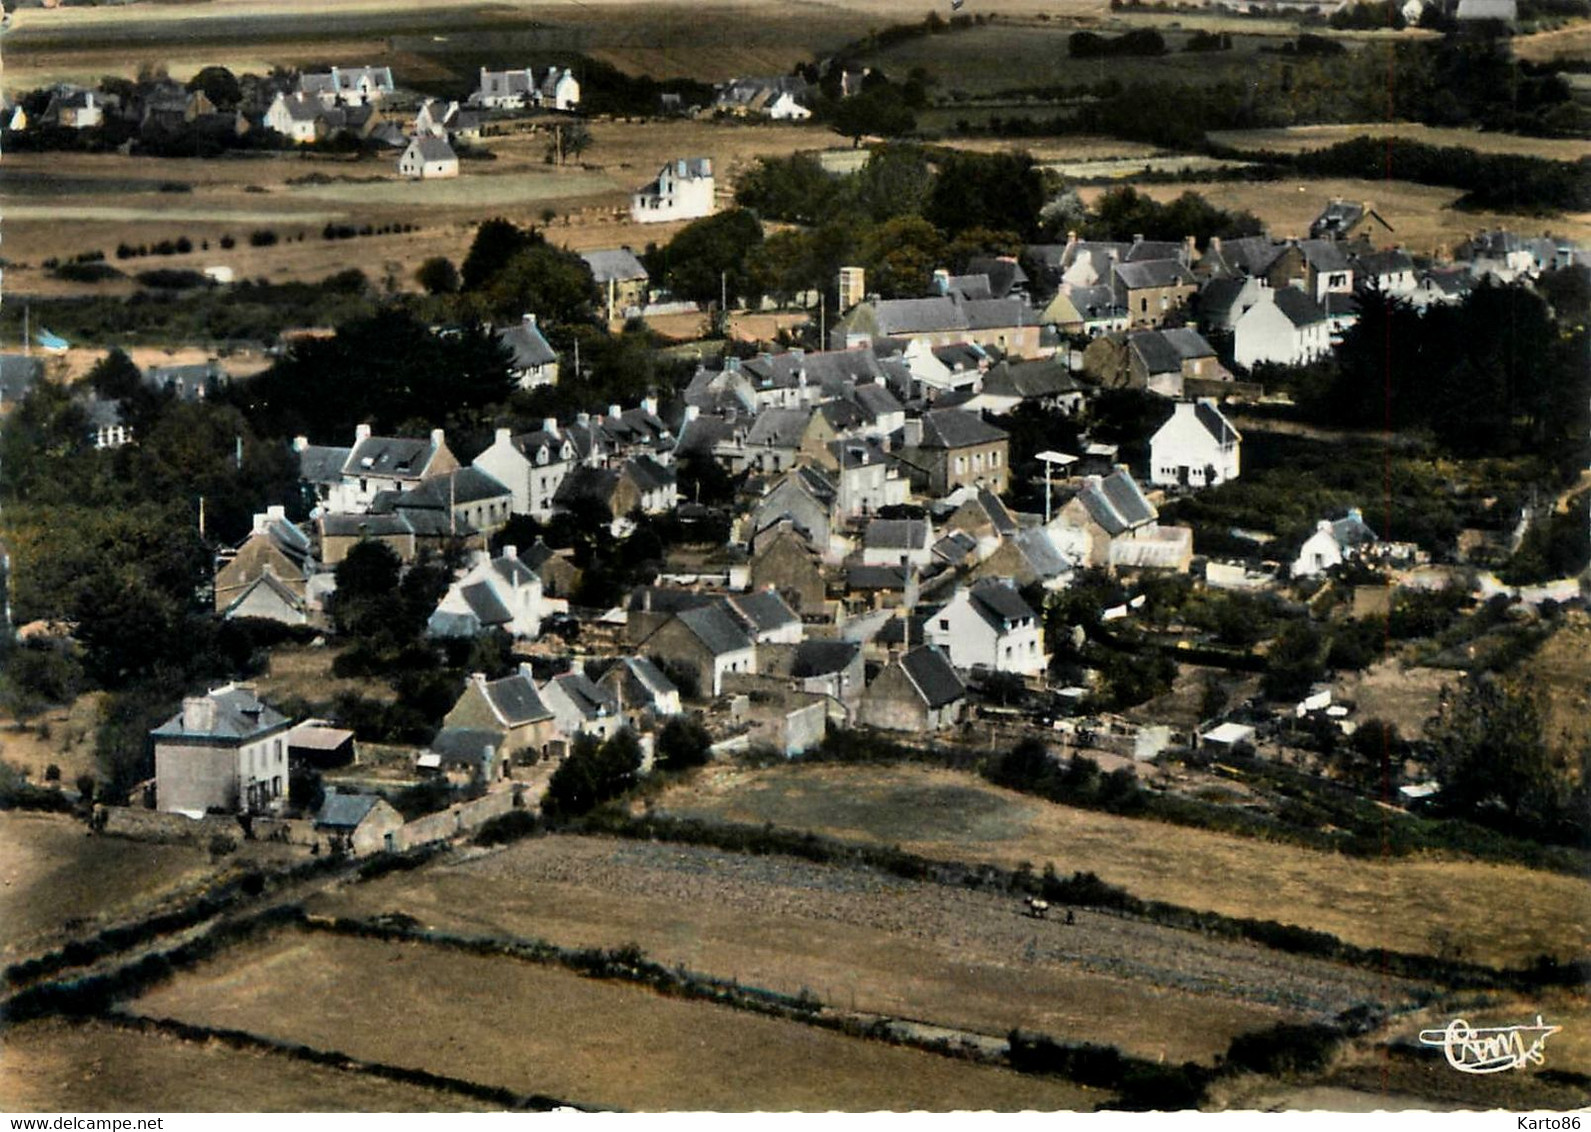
(87,272)
(172,279)
(262,238)
(683,743)
(504,828)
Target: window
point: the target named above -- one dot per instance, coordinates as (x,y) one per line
(994,459)
(944,623)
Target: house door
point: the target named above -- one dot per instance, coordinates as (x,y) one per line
(1182,474)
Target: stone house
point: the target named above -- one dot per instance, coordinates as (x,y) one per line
(947,448)
(642,692)
(226,751)
(708,641)
(781,559)
(621,278)
(365,823)
(1151,290)
(581,707)
(276,548)
(510,707)
(534,362)
(387,463)
(918,692)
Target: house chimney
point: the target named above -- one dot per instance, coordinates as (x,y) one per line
(529,320)
(1190,251)
(1137,238)
(649,404)
(504,435)
(613,412)
(437,438)
(300,443)
(692,412)
(478,679)
(549,425)
(914,432)
(941,281)
(362,432)
(583,420)
(1071,238)
(1215,244)
(511,552)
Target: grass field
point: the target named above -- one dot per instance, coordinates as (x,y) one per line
(537,1029)
(1416,904)
(860,940)
(1421,216)
(1571,44)
(52,874)
(1298,139)
(93,1067)
(1560,669)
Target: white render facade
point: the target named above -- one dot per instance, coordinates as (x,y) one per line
(683,190)
(1197,447)
(975,637)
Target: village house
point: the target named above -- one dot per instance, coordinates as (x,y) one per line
(386,463)
(1226,298)
(463,501)
(898,542)
(1150,290)
(494,593)
(224,751)
(511,708)
(348,86)
(580,706)
(466,756)
(1285,326)
(190,381)
(278,550)
(1088,311)
(1107,509)
(783,560)
(1332,543)
(830,668)
(531,465)
(1387,273)
(706,640)
(642,693)
(638,484)
(946,449)
(361,823)
(1196,447)
(782,98)
(621,278)
(340,533)
(1319,268)
(533,361)
(1042,556)
(1345,220)
(682,190)
(74,110)
(521,90)
(918,692)
(872,588)
(867,479)
(1009,324)
(1045,383)
(427,158)
(989,626)
(301,118)
(806,499)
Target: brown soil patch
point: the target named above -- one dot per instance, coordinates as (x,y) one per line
(538,1029)
(92,1067)
(1497,914)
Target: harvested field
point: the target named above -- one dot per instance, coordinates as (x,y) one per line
(303,672)
(95,1067)
(63,736)
(1571,44)
(1421,216)
(866,941)
(52,874)
(1414,905)
(1389,690)
(537,1029)
(1298,139)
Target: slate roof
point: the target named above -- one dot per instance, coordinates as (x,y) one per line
(1352,530)
(1325,255)
(648,474)
(238,714)
(931,673)
(614,265)
(876,578)
(1036,546)
(649,675)
(896,534)
(970,286)
(1188,343)
(998,603)
(1030,380)
(586,484)
(1154,273)
(1299,308)
(955,547)
(1154,352)
(514,700)
(1098,301)
(1215,423)
(763,611)
(467,484)
(466,746)
(779,428)
(992,314)
(345,811)
(430,149)
(1116,502)
(1336,218)
(364,526)
(918,316)
(1245,255)
(527,345)
(1003,273)
(399,457)
(267,580)
(963,355)
(715,628)
(591,701)
(1218,296)
(702,434)
(1393,261)
(485,604)
(822,658)
(952,428)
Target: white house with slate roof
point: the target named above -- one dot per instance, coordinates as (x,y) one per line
(518,90)
(898,542)
(386,463)
(989,626)
(1285,326)
(580,706)
(531,465)
(495,593)
(534,361)
(1332,543)
(1197,447)
(298,117)
(919,692)
(225,750)
(428,158)
(682,190)
(348,86)
(641,691)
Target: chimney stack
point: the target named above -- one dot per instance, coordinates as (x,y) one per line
(504,435)
(549,425)
(361,432)
(198,715)
(437,438)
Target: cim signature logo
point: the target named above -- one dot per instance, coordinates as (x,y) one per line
(1491,1049)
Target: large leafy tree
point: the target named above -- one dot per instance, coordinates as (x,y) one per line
(709,256)
(1000,191)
